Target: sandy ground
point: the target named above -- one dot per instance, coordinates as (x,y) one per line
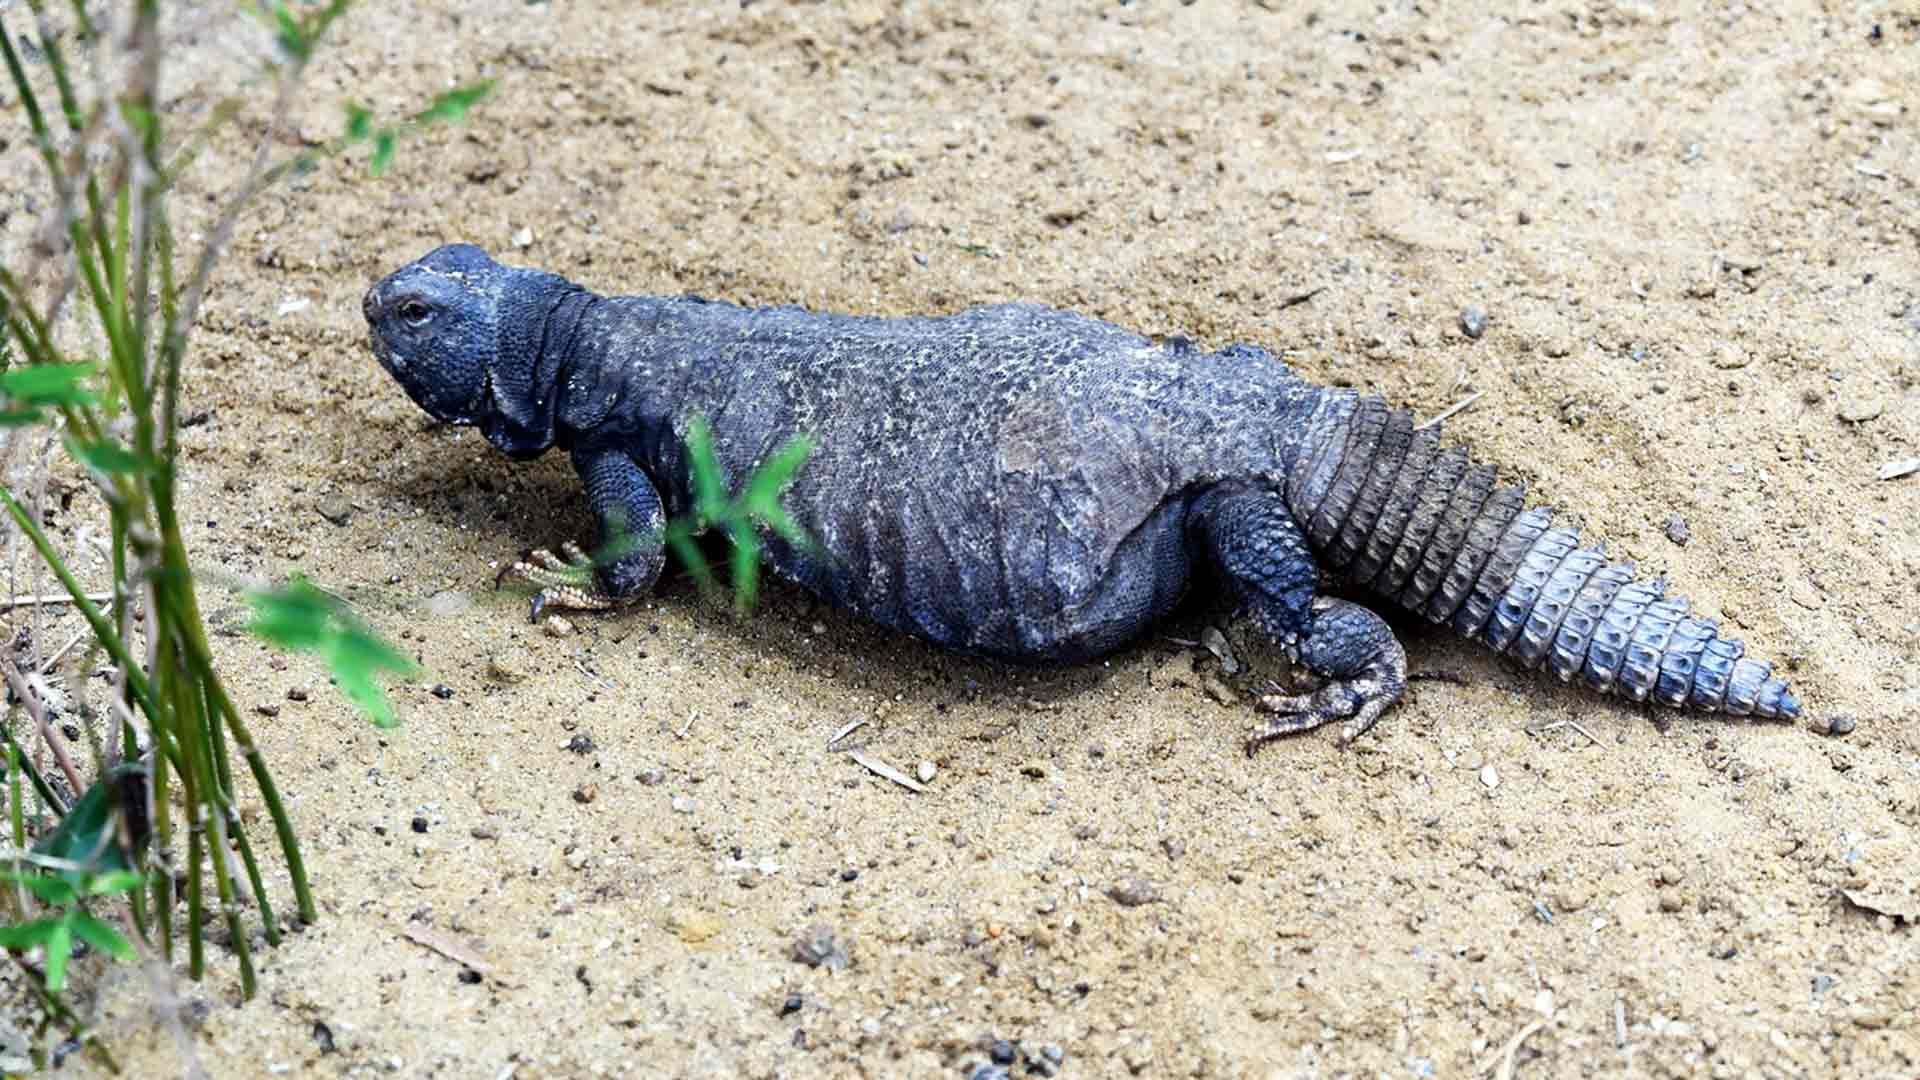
(1693,236)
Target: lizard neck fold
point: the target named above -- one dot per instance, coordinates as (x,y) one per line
(539,316)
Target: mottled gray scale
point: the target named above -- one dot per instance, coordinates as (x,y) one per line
(1367,425)
(1310,480)
(1554,602)
(1680,658)
(1715,672)
(1492,583)
(1442,478)
(1583,619)
(1372,501)
(1650,636)
(1750,678)
(1459,515)
(1407,486)
(1483,538)
(1529,578)
(1608,649)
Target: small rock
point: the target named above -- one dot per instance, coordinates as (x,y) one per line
(651,777)
(1490,777)
(990,1072)
(442,691)
(1036,770)
(556,626)
(818,628)
(1860,408)
(1668,874)
(1730,357)
(1218,690)
(1840,724)
(683,805)
(419,823)
(1677,530)
(1002,1052)
(586,793)
(1671,902)
(1558,347)
(792,1004)
(1215,642)
(1473,322)
(447,602)
(296,693)
(581,744)
(1723,948)
(484,831)
(523,238)
(816,946)
(335,509)
(267,709)
(925,772)
(1157,214)
(1133,892)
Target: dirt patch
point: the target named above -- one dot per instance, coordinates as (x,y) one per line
(1692,237)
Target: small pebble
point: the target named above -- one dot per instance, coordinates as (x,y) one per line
(484,832)
(586,793)
(335,509)
(523,238)
(1858,409)
(819,628)
(925,772)
(990,1072)
(1215,642)
(1473,322)
(1490,777)
(556,626)
(1002,1052)
(1678,530)
(1133,892)
(1841,724)
(817,946)
(684,805)
(267,709)
(297,693)
(1671,902)
(651,777)
(419,824)
(1668,874)
(1036,770)
(791,1005)
(442,691)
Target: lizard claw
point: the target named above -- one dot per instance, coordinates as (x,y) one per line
(566,580)
(1358,701)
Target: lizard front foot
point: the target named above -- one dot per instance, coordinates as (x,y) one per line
(1365,671)
(566,580)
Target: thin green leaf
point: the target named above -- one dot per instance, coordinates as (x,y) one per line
(52,891)
(114,882)
(681,541)
(28,935)
(775,517)
(20,417)
(59,947)
(48,384)
(288,32)
(777,471)
(108,457)
(359,122)
(384,142)
(709,492)
(301,618)
(99,935)
(746,569)
(88,835)
(453,106)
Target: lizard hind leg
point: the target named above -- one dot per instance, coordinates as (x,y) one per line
(1363,663)
(1263,553)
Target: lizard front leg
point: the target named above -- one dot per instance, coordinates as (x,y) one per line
(632,526)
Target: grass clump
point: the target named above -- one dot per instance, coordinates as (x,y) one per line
(96,320)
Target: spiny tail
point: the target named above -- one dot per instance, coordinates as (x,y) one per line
(1389,510)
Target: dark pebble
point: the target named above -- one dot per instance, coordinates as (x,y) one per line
(1841,724)
(297,693)
(470,977)
(651,777)
(442,691)
(1002,1052)
(1133,892)
(1473,322)
(581,744)
(849,874)
(323,1037)
(791,1005)
(1677,530)
(419,824)
(267,709)
(990,1072)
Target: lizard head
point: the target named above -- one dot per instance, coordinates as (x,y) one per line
(462,335)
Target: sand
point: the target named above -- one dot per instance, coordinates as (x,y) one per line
(1692,236)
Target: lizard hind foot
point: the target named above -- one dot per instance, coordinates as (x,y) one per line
(566,580)
(1364,668)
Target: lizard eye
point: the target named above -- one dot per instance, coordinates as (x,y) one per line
(415,313)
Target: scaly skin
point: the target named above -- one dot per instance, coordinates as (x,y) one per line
(1031,484)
